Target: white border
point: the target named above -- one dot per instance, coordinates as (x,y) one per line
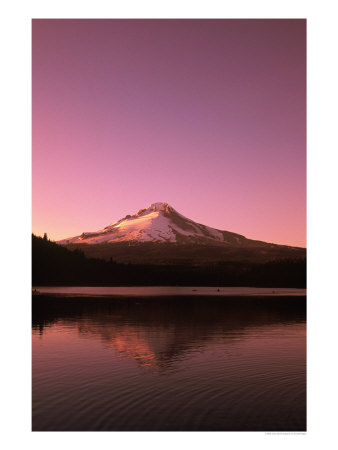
(16,219)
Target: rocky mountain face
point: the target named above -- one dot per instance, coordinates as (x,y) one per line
(159,234)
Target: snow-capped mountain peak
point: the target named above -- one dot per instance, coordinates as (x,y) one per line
(159,206)
(159,222)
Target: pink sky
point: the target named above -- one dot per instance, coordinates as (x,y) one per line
(207,115)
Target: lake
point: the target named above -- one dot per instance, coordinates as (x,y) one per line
(159,291)
(169,362)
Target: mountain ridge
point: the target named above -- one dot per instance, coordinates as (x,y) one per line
(159,234)
(160,222)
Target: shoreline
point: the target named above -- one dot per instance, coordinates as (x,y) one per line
(164,291)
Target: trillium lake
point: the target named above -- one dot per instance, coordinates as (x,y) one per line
(146,359)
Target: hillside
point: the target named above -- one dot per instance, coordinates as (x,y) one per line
(53,264)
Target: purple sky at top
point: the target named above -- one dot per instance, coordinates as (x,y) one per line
(207,115)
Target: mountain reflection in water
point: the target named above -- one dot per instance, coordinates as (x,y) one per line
(169,364)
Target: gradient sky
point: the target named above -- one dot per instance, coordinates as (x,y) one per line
(207,115)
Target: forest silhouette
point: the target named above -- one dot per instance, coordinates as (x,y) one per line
(53,264)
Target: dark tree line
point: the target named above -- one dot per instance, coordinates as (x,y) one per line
(53,264)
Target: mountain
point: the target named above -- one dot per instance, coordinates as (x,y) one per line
(160,234)
(157,223)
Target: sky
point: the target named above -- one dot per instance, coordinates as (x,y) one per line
(206,115)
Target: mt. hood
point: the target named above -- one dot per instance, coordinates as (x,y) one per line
(159,234)
(159,222)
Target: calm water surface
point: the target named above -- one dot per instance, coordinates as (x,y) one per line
(159,291)
(162,364)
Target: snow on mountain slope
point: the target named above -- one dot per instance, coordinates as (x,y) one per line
(159,222)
